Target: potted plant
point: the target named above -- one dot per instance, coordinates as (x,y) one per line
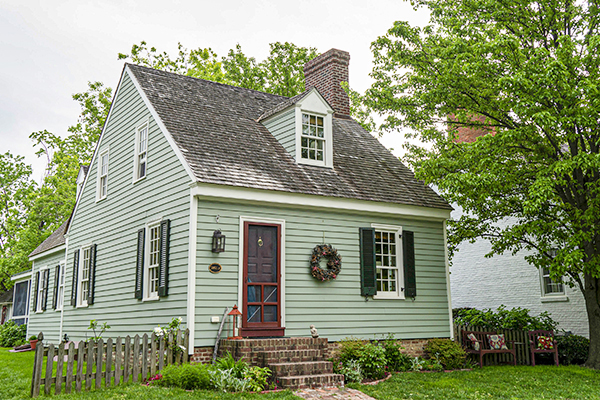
(33,342)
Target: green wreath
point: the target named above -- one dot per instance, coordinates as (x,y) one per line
(334,265)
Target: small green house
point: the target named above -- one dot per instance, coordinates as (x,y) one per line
(201,196)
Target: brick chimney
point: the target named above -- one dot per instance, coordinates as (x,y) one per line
(470,134)
(325,73)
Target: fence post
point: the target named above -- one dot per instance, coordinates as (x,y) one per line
(109,353)
(70,361)
(59,368)
(36,379)
(161,353)
(118,355)
(144,357)
(126,357)
(90,365)
(136,358)
(99,353)
(186,344)
(49,365)
(80,361)
(153,354)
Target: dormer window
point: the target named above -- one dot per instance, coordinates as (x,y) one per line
(313,137)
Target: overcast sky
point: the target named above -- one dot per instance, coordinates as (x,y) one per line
(51,49)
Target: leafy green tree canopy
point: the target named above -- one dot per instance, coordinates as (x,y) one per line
(527,72)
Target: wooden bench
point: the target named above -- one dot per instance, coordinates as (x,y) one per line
(534,346)
(470,346)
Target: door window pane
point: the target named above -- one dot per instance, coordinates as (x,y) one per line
(253,314)
(270,294)
(253,294)
(270,313)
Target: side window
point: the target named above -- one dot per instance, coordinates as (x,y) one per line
(152,262)
(388,258)
(60,300)
(152,265)
(84,277)
(141,152)
(102,185)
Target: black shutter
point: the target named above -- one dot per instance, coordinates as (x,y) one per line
(92,275)
(408,249)
(75,272)
(139,267)
(163,268)
(36,282)
(368,268)
(45,279)
(56,283)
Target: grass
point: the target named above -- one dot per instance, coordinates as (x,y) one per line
(502,382)
(16,370)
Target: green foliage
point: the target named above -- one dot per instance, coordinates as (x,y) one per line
(350,369)
(502,318)
(12,335)
(396,360)
(101,329)
(185,376)
(447,353)
(257,378)
(572,349)
(433,364)
(228,362)
(280,73)
(370,357)
(526,72)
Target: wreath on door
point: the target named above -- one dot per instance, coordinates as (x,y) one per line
(334,263)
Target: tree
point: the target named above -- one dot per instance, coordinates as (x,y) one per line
(528,73)
(281,73)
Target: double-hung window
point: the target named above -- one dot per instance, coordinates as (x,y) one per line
(84,277)
(141,152)
(102,175)
(153,262)
(42,289)
(549,286)
(312,140)
(388,260)
(61,287)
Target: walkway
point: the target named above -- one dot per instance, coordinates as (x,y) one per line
(332,393)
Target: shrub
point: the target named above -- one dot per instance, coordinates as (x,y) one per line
(449,354)
(257,378)
(396,360)
(185,376)
(224,380)
(502,318)
(432,364)
(572,349)
(227,362)
(351,371)
(370,357)
(12,334)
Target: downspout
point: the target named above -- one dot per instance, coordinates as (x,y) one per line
(62,310)
(448,282)
(191,295)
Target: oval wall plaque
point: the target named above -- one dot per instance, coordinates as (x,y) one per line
(214,268)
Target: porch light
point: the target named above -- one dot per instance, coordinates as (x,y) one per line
(234,314)
(218,242)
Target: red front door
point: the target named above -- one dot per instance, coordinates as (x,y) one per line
(262,280)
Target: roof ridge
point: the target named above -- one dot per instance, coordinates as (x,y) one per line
(160,71)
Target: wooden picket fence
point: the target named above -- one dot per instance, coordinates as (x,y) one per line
(520,337)
(113,361)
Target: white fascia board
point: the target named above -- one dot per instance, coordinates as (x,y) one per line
(207,190)
(21,275)
(161,125)
(87,176)
(48,252)
(305,99)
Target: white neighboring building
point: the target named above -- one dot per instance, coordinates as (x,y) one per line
(481,282)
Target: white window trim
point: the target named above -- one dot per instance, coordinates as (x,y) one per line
(99,196)
(27,311)
(328,137)
(547,297)
(145,124)
(38,306)
(81,302)
(60,301)
(146,284)
(399,294)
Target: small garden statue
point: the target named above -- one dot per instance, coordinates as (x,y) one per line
(313,332)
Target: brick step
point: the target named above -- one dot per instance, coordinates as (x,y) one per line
(289,356)
(301,368)
(311,381)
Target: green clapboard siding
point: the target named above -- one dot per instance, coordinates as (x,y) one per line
(47,321)
(336,308)
(112,224)
(283,127)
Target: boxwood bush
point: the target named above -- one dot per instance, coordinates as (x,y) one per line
(449,353)
(12,334)
(185,376)
(572,349)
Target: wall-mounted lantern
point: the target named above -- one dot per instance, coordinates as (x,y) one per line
(234,314)
(218,242)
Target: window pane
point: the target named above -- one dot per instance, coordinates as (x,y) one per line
(270,294)
(320,132)
(319,144)
(312,120)
(319,155)
(270,313)
(253,294)
(320,121)
(313,131)
(312,155)
(305,118)
(305,130)
(253,314)
(304,153)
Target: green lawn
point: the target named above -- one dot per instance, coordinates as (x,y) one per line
(503,382)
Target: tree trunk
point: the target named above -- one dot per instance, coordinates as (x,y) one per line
(592,302)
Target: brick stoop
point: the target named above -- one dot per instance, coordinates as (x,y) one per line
(297,363)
